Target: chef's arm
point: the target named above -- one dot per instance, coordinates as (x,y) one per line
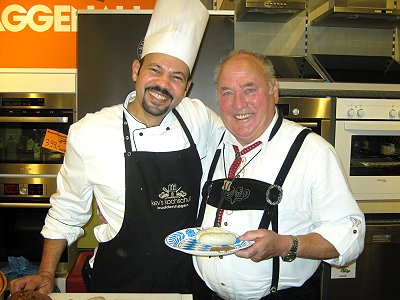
(52,251)
(43,281)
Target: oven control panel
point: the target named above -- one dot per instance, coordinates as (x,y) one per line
(368,109)
(26,189)
(23,189)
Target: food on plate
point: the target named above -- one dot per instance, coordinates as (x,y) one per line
(222,248)
(28,295)
(215,236)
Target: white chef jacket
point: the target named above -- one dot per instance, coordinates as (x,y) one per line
(94,164)
(316,198)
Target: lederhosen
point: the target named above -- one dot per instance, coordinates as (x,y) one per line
(162,192)
(250,194)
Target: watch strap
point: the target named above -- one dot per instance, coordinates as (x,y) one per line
(292,254)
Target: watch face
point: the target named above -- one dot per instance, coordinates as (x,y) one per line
(289,258)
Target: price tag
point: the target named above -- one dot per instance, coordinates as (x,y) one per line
(54,140)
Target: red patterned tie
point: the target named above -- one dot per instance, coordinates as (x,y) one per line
(238,157)
(234,167)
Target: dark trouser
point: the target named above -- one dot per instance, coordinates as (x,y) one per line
(310,290)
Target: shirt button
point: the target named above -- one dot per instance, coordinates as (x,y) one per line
(141,133)
(223,284)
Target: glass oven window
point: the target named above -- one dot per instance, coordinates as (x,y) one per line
(375,155)
(20,233)
(21,140)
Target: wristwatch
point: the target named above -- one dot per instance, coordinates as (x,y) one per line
(291,256)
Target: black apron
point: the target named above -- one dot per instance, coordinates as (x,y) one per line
(251,194)
(162,192)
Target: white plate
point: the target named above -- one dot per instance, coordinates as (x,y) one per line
(184,240)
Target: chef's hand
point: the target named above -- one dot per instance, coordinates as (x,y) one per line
(267,244)
(43,283)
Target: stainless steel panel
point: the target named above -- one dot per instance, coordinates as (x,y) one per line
(29,169)
(358,14)
(268,11)
(306,107)
(51,101)
(314,113)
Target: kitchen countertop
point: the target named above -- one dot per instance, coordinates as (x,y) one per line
(106,296)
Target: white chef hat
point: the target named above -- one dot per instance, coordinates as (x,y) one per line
(176,28)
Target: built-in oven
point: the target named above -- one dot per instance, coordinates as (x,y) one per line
(313,113)
(33,130)
(367,140)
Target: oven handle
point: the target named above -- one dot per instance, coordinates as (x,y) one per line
(25,205)
(365,125)
(34,119)
(308,124)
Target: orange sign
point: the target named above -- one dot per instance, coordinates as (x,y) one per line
(42,33)
(55,141)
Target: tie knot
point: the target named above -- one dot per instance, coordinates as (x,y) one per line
(236,163)
(245,150)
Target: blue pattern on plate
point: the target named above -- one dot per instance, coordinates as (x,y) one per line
(184,240)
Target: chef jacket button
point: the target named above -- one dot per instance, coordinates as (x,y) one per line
(141,133)
(127,137)
(225,223)
(354,231)
(221,257)
(223,284)
(168,128)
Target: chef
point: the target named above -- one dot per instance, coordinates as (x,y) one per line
(142,161)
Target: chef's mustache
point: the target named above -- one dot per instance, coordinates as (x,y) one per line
(160,90)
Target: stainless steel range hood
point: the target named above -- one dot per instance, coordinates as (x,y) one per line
(266,11)
(355,13)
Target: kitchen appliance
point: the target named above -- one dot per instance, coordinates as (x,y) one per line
(268,11)
(24,121)
(313,113)
(367,140)
(28,169)
(295,68)
(377,270)
(355,13)
(359,68)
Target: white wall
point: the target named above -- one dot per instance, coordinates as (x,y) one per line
(38,80)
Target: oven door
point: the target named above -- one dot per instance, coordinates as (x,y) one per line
(370,154)
(20,226)
(22,136)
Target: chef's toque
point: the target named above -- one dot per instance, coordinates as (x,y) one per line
(176,28)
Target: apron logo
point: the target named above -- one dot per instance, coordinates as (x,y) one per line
(172,197)
(238,194)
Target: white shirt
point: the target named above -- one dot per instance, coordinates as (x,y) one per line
(94,164)
(316,198)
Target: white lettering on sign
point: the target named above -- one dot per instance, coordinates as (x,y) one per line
(39,18)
